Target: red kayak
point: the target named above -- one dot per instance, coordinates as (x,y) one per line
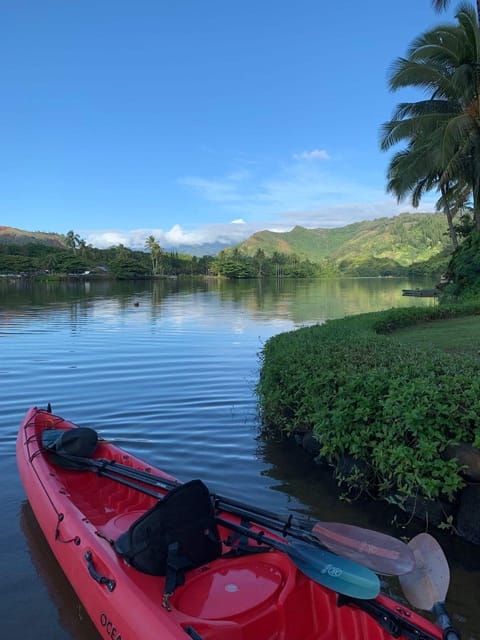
(151,558)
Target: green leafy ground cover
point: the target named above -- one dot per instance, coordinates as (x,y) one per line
(390,405)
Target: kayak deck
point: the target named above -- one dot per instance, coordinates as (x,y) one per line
(262,596)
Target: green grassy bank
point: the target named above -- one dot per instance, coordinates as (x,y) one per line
(382,406)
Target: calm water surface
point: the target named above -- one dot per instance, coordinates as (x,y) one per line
(168,371)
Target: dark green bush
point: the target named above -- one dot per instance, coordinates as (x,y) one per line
(392,408)
(464,267)
(393,319)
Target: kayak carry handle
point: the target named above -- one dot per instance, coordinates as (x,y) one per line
(108,582)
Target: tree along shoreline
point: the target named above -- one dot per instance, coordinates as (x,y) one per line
(395,423)
(41,261)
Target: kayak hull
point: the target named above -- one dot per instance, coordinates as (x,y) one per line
(253,597)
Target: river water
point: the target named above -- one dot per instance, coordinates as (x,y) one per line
(167,370)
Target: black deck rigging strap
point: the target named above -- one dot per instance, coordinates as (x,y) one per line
(396,625)
(239,543)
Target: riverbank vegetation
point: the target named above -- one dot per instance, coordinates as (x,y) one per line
(383,411)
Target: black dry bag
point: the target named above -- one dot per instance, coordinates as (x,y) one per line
(67,444)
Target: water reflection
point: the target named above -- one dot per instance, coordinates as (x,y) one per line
(67,618)
(302,301)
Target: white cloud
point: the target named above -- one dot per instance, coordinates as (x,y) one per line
(315,154)
(229,233)
(310,194)
(298,186)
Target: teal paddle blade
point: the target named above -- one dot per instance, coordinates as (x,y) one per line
(331,571)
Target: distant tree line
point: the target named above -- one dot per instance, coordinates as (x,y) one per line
(78,258)
(119,262)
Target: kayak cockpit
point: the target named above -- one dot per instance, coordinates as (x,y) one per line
(265,597)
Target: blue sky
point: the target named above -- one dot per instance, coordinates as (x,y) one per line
(197,120)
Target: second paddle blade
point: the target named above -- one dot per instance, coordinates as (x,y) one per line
(377,551)
(428,583)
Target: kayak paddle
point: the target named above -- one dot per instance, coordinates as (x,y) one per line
(377,551)
(384,554)
(427,585)
(339,574)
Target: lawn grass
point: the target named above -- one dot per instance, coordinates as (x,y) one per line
(457,336)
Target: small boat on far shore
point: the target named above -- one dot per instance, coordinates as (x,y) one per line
(420,293)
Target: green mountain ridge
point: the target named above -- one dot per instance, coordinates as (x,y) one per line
(406,239)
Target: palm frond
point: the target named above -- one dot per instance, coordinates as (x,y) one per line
(440,5)
(441,132)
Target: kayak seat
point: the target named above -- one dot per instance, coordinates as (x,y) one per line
(177,534)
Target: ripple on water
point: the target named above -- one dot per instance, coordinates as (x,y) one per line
(172,381)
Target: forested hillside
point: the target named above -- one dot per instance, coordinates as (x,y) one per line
(405,239)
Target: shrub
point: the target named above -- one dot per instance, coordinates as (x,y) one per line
(393,408)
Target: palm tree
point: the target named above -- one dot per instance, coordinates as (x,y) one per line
(72,240)
(259,259)
(441,5)
(82,247)
(416,170)
(446,63)
(278,260)
(155,253)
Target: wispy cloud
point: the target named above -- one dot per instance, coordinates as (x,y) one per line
(298,192)
(341,215)
(226,190)
(315,154)
(271,189)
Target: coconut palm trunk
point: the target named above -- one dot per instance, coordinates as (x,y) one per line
(449,216)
